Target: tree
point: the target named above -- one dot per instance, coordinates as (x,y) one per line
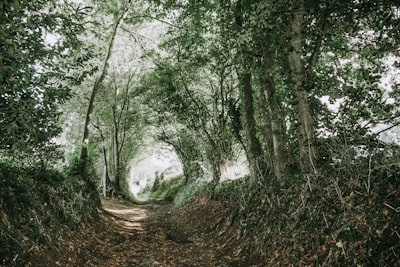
(31,76)
(119,125)
(186,147)
(280,44)
(102,75)
(305,121)
(194,119)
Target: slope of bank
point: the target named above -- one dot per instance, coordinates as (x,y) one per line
(316,222)
(38,208)
(319,221)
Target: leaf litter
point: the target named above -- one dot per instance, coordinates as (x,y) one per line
(150,235)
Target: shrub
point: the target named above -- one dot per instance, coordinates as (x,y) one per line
(36,206)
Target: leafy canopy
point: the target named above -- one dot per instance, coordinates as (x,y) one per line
(34,37)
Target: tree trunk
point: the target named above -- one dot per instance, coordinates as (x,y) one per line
(256,162)
(276,139)
(104,181)
(305,121)
(257,166)
(265,127)
(119,129)
(106,177)
(117,160)
(97,85)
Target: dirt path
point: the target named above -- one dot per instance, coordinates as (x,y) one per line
(146,235)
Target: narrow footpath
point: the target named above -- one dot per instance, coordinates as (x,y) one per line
(149,235)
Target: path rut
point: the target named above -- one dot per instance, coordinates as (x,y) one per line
(145,235)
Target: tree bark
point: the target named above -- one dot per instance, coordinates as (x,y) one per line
(305,121)
(106,176)
(117,164)
(97,85)
(265,125)
(254,152)
(276,138)
(256,162)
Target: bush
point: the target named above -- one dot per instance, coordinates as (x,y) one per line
(188,192)
(167,190)
(36,207)
(177,191)
(324,220)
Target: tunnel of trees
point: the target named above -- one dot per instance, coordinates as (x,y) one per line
(305,92)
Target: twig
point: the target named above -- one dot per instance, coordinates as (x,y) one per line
(396,233)
(339,191)
(308,181)
(326,221)
(302,200)
(15,258)
(388,128)
(394,253)
(391,207)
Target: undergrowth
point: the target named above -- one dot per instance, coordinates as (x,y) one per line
(188,192)
(37,207)
(319,221)
(177,191)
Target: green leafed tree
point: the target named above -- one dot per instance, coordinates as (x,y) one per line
(286,56)
(35,36)
(118,123)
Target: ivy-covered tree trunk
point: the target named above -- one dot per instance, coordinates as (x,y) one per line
(277,137)
(305,121)
(265,125)
(257,166)
(256,162)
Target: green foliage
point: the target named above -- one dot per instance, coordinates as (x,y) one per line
(348,216)
(168,190)
(344,49)
(75,166)
(188,192)
(178,191)
(118,116)
(84,171)
(30,79)
(36,208)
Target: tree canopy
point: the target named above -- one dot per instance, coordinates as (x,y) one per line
(36,38)
(305,92)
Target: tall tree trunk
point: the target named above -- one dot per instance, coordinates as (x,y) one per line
(117,166)
(277,137)
(305,121)
(97,85)
(254,152)
(106,176)
(265,125)
(257,166)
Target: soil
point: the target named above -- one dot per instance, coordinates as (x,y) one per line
(152,235)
